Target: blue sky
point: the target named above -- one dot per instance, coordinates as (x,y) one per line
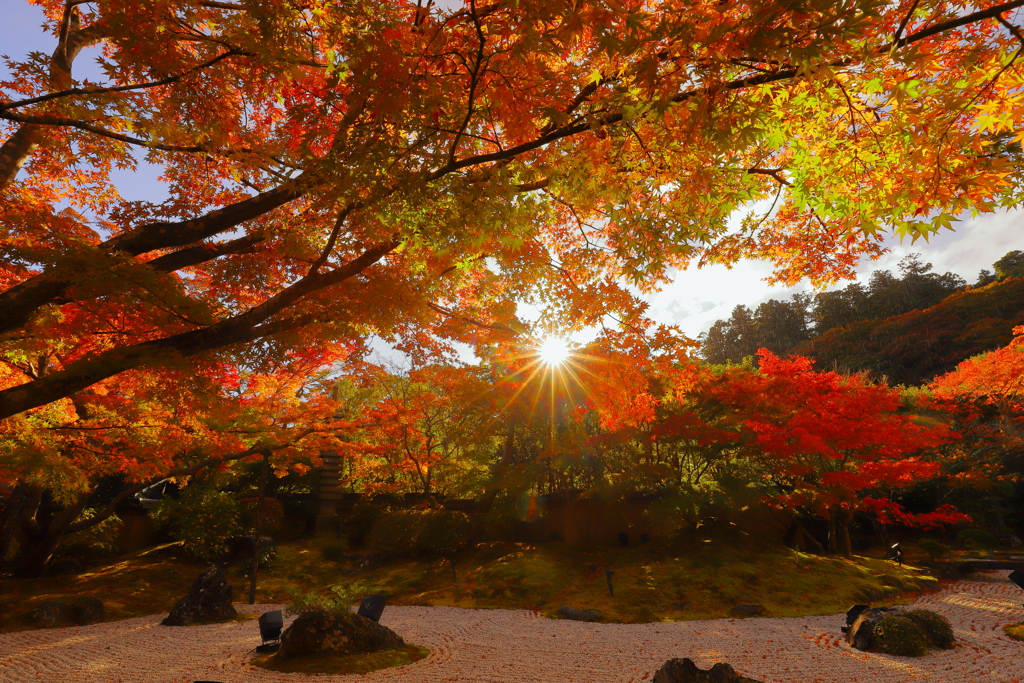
(696,298)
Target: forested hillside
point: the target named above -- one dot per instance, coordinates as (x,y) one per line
(907,328)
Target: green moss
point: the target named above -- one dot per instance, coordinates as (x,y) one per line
(1015,631)
(935,626)
(352,664)
(900,635)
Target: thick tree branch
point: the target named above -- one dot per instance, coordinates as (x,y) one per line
(19,303)
(244,327)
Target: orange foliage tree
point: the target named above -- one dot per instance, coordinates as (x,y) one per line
(810,441)
(336,170)
(985,398)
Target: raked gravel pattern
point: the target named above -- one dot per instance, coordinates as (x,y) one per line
(511,646)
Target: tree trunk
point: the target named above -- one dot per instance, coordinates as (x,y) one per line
(803,534)
(832,546)
(12,514)
(844,519)
(40,541)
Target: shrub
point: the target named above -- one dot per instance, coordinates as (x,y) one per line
(341,600)
(896,634)
(935,626)
(335,551)
(933,548)
(201,518)
(420,532)
(979,537)
(362,518)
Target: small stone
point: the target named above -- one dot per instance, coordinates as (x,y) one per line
(748,610)
(579,614)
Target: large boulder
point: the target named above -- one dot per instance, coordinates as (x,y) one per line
(861,632)
(208,601)
(50,614)
(335,633)
(685,671)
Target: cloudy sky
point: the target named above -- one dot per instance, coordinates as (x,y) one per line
(696,298)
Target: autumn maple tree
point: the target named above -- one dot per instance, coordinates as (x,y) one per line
(809,442)
(336,170)
(984,398)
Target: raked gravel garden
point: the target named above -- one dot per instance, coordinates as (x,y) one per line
(519,646)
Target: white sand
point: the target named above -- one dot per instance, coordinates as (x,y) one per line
(507,646)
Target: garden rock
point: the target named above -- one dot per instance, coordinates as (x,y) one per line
(579,614)
(861,633)
(50,614)
(748,610)
(685,671)
(209,600)
(335,633)
(88,610)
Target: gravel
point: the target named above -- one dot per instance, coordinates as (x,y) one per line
(513,646)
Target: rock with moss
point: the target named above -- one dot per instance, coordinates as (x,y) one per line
(685,671)
(335,633)
(935,626)
(908,633)
(897,634)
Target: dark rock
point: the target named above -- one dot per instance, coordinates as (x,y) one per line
(335,633)
(50,614)
(87,610)
(680,605)
(209,600)
(579,614)
(748,610)
(685,671)
(861,633)
(371,607)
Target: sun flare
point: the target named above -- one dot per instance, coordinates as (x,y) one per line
(553,351)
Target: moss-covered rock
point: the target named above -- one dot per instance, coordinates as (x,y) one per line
(935,626)
(897,634)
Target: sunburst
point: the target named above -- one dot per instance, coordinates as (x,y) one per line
(553,351)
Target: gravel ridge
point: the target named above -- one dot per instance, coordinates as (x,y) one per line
(517,646)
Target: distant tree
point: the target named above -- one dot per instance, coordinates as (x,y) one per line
(1010,265)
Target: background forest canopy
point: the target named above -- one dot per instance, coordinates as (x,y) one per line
(337,171)
(866,327)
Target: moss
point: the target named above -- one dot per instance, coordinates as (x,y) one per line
(899,635)
(1015,631)
(935,626)
(352,664)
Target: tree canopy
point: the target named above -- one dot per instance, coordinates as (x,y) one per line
(341,169)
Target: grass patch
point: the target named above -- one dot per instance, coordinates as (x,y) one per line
(1015,631)
(652,582)
(351,664)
